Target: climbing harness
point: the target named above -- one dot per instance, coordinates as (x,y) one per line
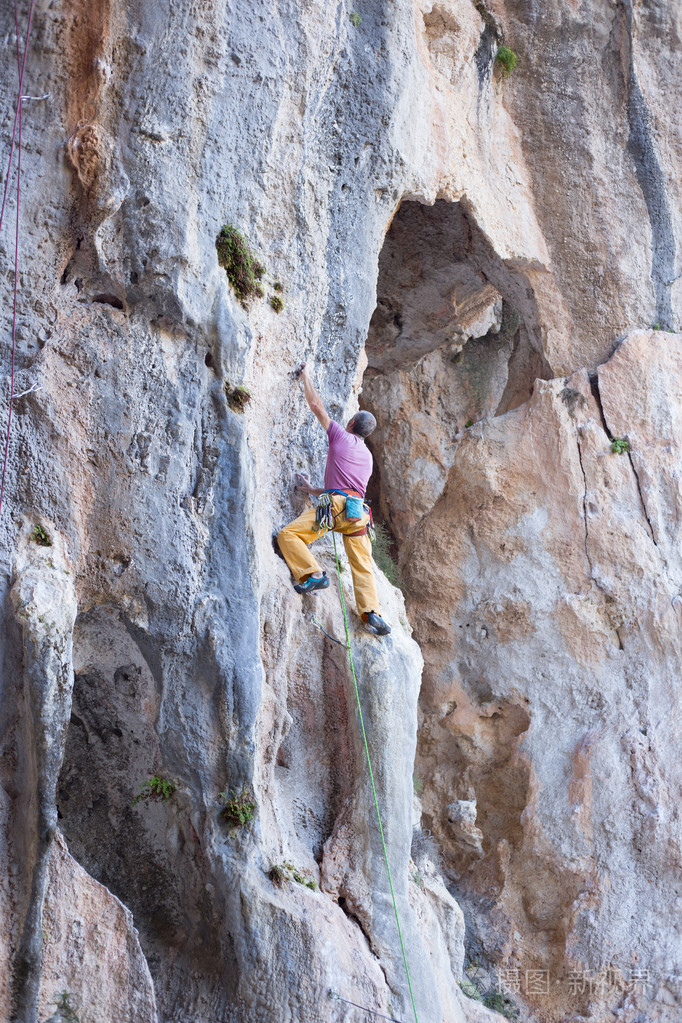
(371,776)
(21,67)
(324,516)
(363,1008)
(326,520)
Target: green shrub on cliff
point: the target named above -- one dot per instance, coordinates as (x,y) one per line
(155,788)
(381,552)
(470,989)
(281,872)
(620,446)
(496,1000)
(239,807)
(244,270)
(237,397)
(40,536)
(507,60)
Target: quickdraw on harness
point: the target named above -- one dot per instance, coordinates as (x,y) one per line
(324,516)
(326,520)
(369,528)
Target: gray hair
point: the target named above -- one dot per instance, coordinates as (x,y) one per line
(363,423)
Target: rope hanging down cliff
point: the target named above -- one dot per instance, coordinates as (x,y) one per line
(371,777)
(21,67)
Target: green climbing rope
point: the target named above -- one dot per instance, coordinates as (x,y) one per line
(371,777)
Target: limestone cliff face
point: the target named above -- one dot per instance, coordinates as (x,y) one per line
(451,246)
(551,639)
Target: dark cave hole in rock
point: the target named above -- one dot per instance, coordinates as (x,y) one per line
(454,339)
(108,299)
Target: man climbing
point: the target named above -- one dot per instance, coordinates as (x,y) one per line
(348,469)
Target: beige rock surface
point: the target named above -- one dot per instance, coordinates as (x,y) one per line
(550,633)
(91,951)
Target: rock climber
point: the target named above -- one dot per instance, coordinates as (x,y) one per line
(348,469)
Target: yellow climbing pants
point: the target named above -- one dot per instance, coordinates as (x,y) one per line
(294,541)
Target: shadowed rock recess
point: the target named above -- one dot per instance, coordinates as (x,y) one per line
(488,262)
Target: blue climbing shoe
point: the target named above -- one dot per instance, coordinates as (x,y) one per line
(376,623)
(311,583)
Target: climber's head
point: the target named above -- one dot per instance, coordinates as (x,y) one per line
(362,424)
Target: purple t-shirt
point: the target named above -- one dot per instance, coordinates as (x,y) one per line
(349,461)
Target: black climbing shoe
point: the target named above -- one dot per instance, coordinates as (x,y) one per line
(312,583)
(376,623)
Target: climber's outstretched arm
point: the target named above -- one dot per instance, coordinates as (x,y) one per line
(314,400)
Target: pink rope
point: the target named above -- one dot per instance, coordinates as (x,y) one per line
(21,65)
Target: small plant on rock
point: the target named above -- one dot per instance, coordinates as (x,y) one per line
(239,807)
(40,536)
(507,60)
(237,398)
(281,872)
(65,1008)
(381,552)
(156,788)
(656,326)
(496,1000)
(469,423)
(277,875)
(276,303)
(620,446)
(300,877)
(244,270)
(470,989)
(305,880)
(355,19)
